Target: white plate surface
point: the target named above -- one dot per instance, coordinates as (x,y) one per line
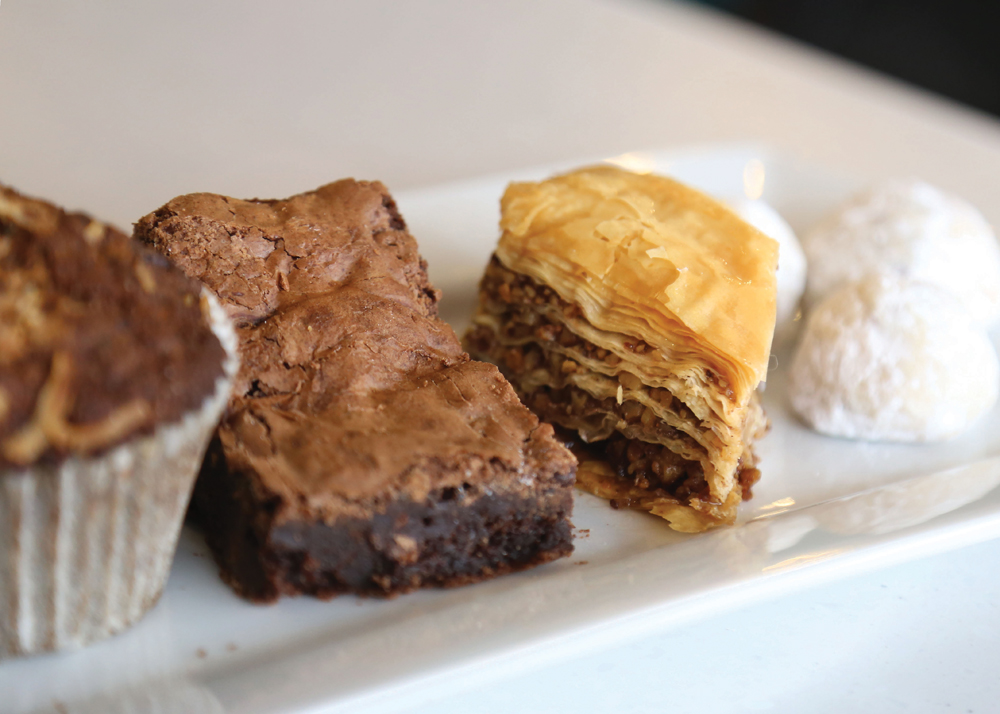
(825,508)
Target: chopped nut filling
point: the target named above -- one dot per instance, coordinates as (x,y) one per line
(520,296)
(542,389)
(624,432)
(654,467)
(572,407)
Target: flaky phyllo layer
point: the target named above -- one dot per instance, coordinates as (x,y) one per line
(630,306)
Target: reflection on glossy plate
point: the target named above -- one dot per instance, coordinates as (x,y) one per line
(825,508)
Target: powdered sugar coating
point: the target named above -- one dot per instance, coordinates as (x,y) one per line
(915,229)
(893,359)
(791,273)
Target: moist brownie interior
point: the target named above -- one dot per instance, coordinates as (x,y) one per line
(363,450)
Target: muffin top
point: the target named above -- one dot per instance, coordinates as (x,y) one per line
(100,338)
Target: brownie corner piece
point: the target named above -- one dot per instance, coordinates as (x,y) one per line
(467,514)
(452,537)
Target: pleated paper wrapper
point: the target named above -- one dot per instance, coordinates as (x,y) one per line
(86,544)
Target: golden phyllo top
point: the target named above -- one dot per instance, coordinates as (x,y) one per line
(646,256)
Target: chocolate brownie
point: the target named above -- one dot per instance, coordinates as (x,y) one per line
(100,338)
(363,450)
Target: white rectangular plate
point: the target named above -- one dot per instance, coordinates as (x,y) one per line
(824,508)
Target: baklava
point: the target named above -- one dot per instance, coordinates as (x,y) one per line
(637,314)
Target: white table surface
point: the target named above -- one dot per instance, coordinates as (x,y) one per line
(117,107)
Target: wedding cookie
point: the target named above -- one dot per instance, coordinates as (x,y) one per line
(916,230)
(893,359)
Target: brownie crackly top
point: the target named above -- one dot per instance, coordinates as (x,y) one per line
(100,338)
(351,390)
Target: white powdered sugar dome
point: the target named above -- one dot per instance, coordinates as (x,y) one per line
(918,231)
(893,359)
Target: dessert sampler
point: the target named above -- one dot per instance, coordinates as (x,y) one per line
(362,449)
(114,369)
(638,313)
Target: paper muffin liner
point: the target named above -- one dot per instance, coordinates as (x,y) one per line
(86,545)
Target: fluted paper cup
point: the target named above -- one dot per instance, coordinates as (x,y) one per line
(86,544)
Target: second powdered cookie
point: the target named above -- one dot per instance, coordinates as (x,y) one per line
(891,359)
